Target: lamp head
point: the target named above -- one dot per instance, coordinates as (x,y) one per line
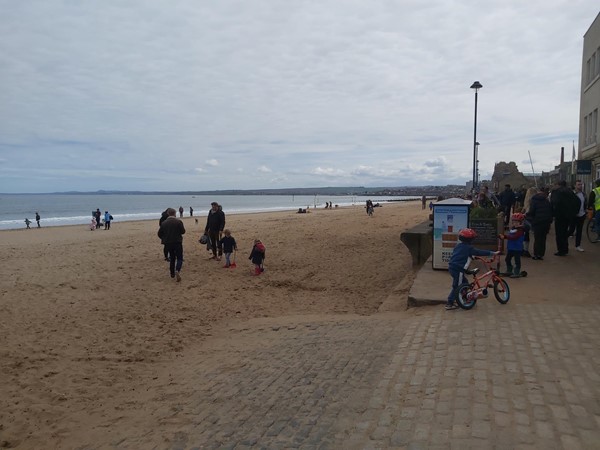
(476,85)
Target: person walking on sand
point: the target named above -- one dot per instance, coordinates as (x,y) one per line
(27,222)
(181,211)
(539,215)
(215,223)
(423,202)
(164,216)
(229,246)
(107,220)
(98,216)
(257,256)
(171,233)
(37,219)
(191,212)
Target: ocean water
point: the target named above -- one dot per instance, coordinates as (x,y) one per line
(72,209)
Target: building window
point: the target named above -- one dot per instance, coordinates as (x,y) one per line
(588,73)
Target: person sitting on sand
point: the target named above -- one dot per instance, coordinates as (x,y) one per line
(229,246)
(93,224)
(257,256)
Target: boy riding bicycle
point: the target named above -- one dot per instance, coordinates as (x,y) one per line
(460,260)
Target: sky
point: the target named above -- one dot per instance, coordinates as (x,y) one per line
(206,95)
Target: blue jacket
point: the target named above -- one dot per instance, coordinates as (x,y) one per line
(514,239)
(463,254)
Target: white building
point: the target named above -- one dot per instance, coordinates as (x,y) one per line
(589,148)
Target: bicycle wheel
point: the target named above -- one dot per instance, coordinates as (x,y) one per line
(591,234)
(465,297)
(501,291)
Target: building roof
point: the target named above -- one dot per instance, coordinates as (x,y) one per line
(597,19)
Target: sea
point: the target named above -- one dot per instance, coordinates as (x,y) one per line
(73,209)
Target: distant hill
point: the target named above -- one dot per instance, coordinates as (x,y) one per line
(453,190)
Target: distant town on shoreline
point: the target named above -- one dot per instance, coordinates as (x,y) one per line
(449,190)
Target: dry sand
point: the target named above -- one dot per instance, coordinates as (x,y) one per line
(89,319)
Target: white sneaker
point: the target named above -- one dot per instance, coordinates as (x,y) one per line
(579,249)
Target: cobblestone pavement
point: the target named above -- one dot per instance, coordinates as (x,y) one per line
(498,377)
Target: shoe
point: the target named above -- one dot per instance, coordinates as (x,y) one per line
(450,307)
(560,254)
(579,249)
(177,277)
(506,274)
(226,266)
(515,275)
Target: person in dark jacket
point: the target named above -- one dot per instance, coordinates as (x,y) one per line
(507,200)
(215,223)
(539,215)
(564,210)
(257,256)
(164,217)
(576,225)
(171,233)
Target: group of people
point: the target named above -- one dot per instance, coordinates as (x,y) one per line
(37,219)
(566,206)
(217,238)
(97,217)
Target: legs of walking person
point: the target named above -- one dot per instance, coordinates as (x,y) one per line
(166,252)
(579,230)
(456,281)
(172,258)
(214,238)
(561,228)
(540,231)
(179,256)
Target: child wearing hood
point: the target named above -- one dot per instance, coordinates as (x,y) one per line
(257,256)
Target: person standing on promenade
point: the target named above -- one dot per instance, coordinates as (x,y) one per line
(539,215)
(215,223)
(514,245)
(181,211)
(564,208)
(507,200)
(37,219)
(171,233)
(526,206)
(594,202)
(576,225)
(163,217)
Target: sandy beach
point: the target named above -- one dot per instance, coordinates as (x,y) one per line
(91,320)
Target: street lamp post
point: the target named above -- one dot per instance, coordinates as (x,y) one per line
(476,85)
(476,166)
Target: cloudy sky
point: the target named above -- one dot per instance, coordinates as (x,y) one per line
(237,94)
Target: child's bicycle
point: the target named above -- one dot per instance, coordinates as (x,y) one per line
(469,293)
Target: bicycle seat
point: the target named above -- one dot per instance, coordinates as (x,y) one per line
(474,271)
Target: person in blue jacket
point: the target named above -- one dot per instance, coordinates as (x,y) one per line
(459,262)
(514,245)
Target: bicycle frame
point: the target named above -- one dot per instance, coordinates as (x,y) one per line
(481,283)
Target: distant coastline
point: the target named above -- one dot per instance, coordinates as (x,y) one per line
(445,191)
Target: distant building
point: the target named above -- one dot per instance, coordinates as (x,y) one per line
(589,148)
(508,173)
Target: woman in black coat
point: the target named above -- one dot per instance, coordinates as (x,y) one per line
(540,217)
